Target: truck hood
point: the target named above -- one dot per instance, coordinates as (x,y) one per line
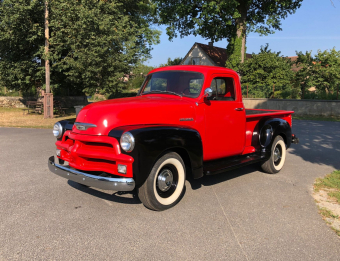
(107,115)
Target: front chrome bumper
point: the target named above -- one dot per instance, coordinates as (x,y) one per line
(116,184)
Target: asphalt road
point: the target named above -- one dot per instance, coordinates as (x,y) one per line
(239,215)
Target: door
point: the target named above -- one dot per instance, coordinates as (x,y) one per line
(225,119)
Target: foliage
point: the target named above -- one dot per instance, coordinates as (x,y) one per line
(222,19)
(266,69)
(137,77)
(175,61)
(93,44)
(304,63)
(321,72)
(234,50)
(96,42)
(21,34)
(326,71)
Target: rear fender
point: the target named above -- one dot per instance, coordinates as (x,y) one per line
(278,127)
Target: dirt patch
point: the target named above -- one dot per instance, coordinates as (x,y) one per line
(328,208)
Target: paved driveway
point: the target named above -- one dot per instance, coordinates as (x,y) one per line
(239,215)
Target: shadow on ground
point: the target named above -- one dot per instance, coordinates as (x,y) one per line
(319,142)
(222,177)
(118,197)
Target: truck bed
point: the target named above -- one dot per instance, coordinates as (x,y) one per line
(254,113)
(254,116)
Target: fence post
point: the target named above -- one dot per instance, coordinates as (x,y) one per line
(247,90)
(273,91)
(337,93)
(48,105)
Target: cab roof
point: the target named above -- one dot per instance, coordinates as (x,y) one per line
(195,68)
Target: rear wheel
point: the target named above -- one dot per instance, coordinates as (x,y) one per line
(164,187)
(277,158)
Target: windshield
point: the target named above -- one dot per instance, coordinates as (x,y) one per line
(180,83)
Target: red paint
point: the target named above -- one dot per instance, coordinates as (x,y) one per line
(93,153)
(224,130)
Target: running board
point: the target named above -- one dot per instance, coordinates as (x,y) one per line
(226,164)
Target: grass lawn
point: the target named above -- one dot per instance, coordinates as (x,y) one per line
(327,197)
(13,117)
(316,118)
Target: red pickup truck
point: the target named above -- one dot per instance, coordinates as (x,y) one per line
(185,120)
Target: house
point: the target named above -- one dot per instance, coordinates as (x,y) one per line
(202,54)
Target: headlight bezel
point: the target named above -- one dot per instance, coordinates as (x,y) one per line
(57,130)
(127,138)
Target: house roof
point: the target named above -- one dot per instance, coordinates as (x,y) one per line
(216,55)
(293,59)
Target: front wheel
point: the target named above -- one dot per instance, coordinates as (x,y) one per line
(164,187)
(277,158)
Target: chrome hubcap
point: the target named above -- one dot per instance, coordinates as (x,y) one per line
(165,180)
(277,154)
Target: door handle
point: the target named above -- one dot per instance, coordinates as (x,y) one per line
(238,109)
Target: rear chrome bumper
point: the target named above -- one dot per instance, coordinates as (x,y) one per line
(106,183)
(295,139)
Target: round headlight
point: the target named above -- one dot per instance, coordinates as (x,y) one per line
(127,142)
(57,130)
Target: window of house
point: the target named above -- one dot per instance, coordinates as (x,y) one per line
(196,61)
(223,89)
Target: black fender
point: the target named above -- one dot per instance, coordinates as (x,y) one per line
(270,129)
(153,141)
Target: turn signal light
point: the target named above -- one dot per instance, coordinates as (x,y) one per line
(121,168)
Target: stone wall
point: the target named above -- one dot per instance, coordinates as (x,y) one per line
(20,102)
(300,107)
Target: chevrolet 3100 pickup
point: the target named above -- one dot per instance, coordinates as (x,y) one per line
(185,120)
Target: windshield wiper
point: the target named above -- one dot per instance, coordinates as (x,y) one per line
(162,92)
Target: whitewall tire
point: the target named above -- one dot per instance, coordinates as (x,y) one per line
(277,158)
(165,185)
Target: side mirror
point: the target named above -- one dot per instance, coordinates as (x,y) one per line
(208,92)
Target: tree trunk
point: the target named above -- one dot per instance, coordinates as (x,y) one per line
(241,32)
(47,62)
(236,49)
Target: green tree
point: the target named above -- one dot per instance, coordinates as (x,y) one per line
(222,19)
(93,44)
(175,61)
(326,70)
(266,69)
(304,76)
(21,35)
(321,71)
(138,75)
(97,42)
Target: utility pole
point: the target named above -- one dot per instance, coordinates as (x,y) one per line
(48,98)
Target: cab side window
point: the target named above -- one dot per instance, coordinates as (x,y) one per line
(223,89)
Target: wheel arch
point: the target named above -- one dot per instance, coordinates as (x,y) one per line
(279,127)
(152,142)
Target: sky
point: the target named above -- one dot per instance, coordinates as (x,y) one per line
(314,26)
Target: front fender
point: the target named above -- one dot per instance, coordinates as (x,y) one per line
(153,141)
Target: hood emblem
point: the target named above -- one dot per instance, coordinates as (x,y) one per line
(84,126)
(186,119)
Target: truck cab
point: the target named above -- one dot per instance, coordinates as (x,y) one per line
(185,120)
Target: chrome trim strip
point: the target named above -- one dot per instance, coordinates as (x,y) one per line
(84,126)
(116,184)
